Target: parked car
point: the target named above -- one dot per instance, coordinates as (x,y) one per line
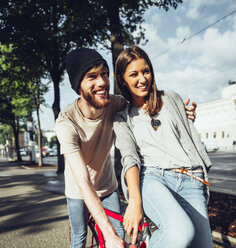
(23,152)
(37,153)
(52,152)
(44,152)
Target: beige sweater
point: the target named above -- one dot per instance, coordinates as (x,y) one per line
(94,139)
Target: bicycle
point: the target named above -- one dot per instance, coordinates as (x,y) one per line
(95,238)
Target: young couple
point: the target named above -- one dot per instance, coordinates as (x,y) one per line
(156,140)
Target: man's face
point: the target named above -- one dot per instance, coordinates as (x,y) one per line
(95,86)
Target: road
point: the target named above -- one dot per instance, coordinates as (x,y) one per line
(222,175)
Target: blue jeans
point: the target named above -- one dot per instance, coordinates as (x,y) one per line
(78,215)
(176,203)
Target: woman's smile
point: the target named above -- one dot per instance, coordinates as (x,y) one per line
(138,79)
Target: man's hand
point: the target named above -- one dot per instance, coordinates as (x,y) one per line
(113,241)
(132,218)
(190,110)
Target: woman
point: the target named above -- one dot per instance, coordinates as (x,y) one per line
(162,153)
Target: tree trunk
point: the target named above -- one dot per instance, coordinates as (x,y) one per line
(40,163)
(60,159)
(16,137)
(116,47)
(116,35)
(56,111)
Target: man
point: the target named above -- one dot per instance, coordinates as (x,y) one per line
(84,130)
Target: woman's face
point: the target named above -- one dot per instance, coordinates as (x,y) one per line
(138,79)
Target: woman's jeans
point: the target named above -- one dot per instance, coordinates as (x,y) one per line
(176,203)
(78,215)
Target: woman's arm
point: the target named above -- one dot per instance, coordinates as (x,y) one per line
(125,141)
(134,213)
(130,160)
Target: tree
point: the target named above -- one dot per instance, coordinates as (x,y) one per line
(38,91)
(6,134)
(53,141)
(47,30)
(14,110)
(15,102)
(27,75)
(123,18)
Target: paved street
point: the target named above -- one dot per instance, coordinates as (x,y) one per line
(223,172)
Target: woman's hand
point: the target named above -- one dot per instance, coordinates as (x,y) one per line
(114,241)
(190,110)
(132,218)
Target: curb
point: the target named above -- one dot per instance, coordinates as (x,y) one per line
(223,239)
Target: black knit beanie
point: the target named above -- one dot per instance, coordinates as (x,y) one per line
(79,62)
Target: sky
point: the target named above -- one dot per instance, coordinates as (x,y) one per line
(192,49)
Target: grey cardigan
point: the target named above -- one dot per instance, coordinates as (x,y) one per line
(126,143)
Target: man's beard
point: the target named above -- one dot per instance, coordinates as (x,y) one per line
(91,99)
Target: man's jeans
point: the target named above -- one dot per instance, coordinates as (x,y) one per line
(78,214)
(176,203)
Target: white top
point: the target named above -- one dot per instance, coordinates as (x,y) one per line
(161,148)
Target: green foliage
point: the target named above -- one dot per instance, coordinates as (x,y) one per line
(53,142)
(5,133)
(15,103)
(41,33)
(17,93)
(44,141)
(126,16)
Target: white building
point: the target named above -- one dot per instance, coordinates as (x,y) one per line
(216,120)
(49,134)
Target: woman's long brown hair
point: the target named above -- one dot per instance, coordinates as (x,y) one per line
(153,99)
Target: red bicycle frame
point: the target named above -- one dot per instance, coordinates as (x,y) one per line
(119,218)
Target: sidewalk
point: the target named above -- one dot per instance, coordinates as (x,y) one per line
(33,211)
(32,215)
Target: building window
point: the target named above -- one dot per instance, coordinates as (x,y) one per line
(223,134)
(207,135)
(214,136)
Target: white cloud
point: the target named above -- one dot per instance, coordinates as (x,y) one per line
(183,32)
(157,19)
(155,44)
(197,7)
(234,22)
(200,67)
(193,10)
